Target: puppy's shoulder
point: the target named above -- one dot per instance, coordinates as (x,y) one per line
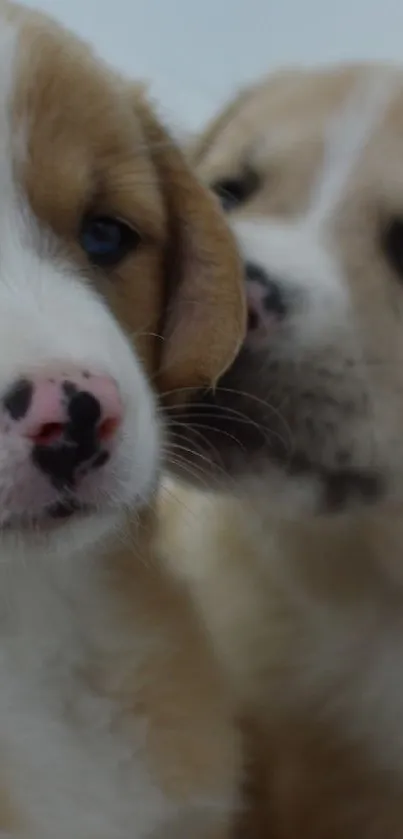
(213,544)
(200,532)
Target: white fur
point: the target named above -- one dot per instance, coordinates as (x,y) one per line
(346,139)
(292,253)
(74,769)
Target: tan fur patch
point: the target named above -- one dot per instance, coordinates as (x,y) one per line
(112,158)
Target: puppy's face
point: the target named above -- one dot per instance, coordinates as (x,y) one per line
(115,269)
(309,167)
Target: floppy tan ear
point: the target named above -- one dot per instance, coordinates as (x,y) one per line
(204,316)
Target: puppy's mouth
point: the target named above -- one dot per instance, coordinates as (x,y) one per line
(50,518)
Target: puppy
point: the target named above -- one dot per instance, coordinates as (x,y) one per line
(299,575)
(116,272)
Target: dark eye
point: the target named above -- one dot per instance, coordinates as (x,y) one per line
(106,241)
(235,191)
(393,244)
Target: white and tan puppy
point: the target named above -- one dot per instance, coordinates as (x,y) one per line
(116,269)
(300,579)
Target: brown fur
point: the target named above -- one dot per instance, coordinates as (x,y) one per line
(112,156)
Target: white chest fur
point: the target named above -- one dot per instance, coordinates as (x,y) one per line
(73,761)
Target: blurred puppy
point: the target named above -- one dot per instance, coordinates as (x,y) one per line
(116,273)
(300,577)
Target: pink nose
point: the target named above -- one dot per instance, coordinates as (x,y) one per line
(71,418)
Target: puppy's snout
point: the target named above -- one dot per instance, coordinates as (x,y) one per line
(266,302)
(70,419)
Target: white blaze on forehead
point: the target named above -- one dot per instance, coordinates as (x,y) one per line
(347,136)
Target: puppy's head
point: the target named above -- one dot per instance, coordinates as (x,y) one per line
(309,167)
(118,279)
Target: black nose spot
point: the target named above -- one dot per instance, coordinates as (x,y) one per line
(273,299)
(79,443)
(253,321)
(101,460)
(84,412)
(18,399)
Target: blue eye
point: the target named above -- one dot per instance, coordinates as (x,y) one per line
(106,241)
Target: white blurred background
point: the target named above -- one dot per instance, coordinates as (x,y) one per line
(197,53)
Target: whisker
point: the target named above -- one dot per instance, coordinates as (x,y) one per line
(207,444)
(226,409)
(195,427)
(196,473)
(171,455)
(239,417)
